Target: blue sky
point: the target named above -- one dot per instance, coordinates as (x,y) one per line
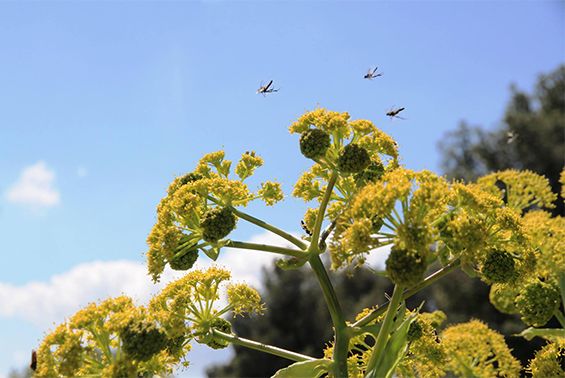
(103,103)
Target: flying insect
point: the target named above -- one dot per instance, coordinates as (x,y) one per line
(264,89)
(372,73)
(393,113)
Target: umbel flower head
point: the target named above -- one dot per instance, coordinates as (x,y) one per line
(111,339)
(549,361)
(197,212)
(474,350)
(188,306)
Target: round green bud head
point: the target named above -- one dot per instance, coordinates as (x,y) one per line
(537,303)
(223,326)
(353,159)
(415,331)
(185,261)
(314,143)
(141,340)
(498,267)
(217,223)
(405,267)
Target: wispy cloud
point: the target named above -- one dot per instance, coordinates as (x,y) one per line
(35,187)
(46,302)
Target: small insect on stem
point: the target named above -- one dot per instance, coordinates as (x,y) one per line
(305,228)
(33,364)
(264,89)
(393,113)
(372,73)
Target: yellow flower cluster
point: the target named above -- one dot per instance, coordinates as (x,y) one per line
(548,361)
(179,229)
(522,189)
(474,350)
(91,343)
(360,151)
(189,305)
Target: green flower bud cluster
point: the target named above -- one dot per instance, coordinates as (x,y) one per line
(221,325)
(537,303)
(415,331)
(217,223)
(185,258)
(498,267)
(314,143)
(141,340)
(353,159)
(405,267)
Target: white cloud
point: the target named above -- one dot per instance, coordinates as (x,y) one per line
(47,302)
(35,187)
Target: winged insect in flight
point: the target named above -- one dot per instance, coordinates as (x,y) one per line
(372,73)
(264,89)
(393,113)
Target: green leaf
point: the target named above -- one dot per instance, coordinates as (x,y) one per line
(395,348)
(305,369)
(550,334)
(212,253)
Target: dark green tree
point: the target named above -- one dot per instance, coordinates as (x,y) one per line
(530,136)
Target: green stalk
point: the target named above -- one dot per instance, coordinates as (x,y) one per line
(338,320)
(266,248)
(384,332)
(408,293)
(322,212)
(258,222)
(261,347)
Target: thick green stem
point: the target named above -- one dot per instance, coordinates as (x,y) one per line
(338,320)
(408,293)
(384,332)
(258,222)
(261,347)
(266,248)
